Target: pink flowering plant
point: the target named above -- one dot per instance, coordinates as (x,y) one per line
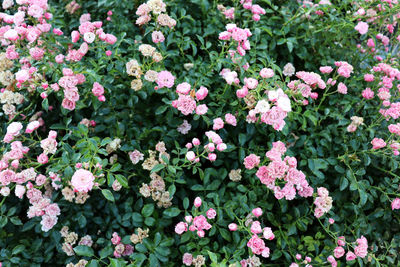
(199,133)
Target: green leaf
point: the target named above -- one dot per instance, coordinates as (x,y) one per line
(185,203)
(309,114)
(108,195)
(158,168)
(343,183)
(115,167)
(84,251)
(105,252)
(3,221)
(45,104)
(242,139)
(122,180)
(93,263)
(171,212)
(18,249)
(161,109)
(213,256)
(15,220)
(116,263)
(363,197)
(105,141)
(225,234)
(147,210)
(154,261)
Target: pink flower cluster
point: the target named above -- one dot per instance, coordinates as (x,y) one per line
(198,223)
(49,146)
(88,31)
(135,156)
(21,31)
(156,7)
(120,248)
(256,243)
(323,203)
(218,123)
(282,170)
(344,68)
(308,81)
(275,115)
(215,142)
(378,143)
(239,35)
(186,104)
(164,79)
(13,130)
(69,82)
(256,10)
(42,206)
(98,90)
(360,250)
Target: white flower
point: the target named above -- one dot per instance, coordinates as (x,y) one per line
(262,106)
(284,104)
(89,37)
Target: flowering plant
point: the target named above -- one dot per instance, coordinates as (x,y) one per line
(197,133)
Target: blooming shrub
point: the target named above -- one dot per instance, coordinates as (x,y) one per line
(197,133)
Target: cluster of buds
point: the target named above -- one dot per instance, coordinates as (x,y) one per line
(71,238)
(141,234)
(199,223)
(156,189)
(120,248)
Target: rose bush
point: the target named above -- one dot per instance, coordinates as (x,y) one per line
(191,133)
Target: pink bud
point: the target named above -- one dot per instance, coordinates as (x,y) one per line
(15,164)
(202,93)
(212,156)
(232,227)
(188,218)
(210,147)
(189,145)
(221,147)
(197,202)
(196,141)
(102,98)
(108,53)
(200,233)
(257,212)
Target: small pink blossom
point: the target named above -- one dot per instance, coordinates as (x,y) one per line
(197,202)
(232,227)
(211,213)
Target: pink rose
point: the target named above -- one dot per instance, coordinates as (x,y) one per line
(338,252)
(180,228)
(211,213)
(82,180)
(362,27)
(396,204)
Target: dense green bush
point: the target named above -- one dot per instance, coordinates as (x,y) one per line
(218,146)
